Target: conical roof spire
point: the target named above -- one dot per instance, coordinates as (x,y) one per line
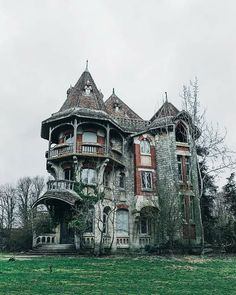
(84,94)
(86,68)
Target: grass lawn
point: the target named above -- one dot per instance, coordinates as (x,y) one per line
(118,275)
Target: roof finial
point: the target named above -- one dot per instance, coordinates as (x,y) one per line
(166,96)
(86,69)
(113,91)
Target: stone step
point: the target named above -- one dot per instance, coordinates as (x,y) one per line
(55,248)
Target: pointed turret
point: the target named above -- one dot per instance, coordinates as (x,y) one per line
(166,110)
(117,108)
(84,94)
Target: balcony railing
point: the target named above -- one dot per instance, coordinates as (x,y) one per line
(122,242)
(59,151)
(60,184)
(144,241)
(91,149)
(45,239)
(86,149)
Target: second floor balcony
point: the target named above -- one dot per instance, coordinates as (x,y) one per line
(85,149)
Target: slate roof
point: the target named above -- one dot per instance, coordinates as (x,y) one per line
(118,109)
(84,94)
(166,110)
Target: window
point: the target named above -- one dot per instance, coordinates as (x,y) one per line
(144,225)
(89,137)
(183,209)
(181,133)
(68,174)
(122,180)
(180,167)
(145,147)
(106,179)
(68,138)
(188,168)
(122,221)
(90,221)
(191,209)
(89,176)
(146,180)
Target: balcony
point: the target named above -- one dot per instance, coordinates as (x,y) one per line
(60,185)
(85,149)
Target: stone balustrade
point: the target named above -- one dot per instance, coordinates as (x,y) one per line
(122,242)
(44,239)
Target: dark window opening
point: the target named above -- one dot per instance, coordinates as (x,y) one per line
(181,133)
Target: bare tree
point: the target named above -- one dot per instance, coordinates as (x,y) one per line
(8,205)
(207,140)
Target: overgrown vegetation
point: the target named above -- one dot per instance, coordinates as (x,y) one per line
(120,275)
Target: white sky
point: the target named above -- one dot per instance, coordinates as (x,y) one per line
(142,48)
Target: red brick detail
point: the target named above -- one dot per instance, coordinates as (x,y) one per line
(100,140)
(153,157)
(137,155)
(182,148)
(79,138)
(122,206)
(137,182)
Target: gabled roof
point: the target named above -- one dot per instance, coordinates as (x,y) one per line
(166,110)
(84,94)
(118,109)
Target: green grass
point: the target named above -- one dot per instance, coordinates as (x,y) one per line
(118,275)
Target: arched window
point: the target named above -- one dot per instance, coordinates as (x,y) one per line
(89,176)
(145,147)
(181,133)
(122,221)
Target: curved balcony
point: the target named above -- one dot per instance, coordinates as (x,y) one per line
(85,149)
(60,185)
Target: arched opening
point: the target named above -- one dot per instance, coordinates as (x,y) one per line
(148,226)
(145,147)
(181,134)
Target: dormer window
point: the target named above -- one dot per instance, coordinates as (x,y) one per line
(88,88)
(145,147)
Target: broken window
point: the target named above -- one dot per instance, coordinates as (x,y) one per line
(146,180)
(122,221)
(145,147)
(89,176)
(181,133)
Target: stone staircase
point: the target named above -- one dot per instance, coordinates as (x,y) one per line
(54,249)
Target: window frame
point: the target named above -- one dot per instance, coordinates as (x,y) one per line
(89,176)
(144,143)
(144,180)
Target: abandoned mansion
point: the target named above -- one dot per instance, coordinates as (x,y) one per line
(118,181)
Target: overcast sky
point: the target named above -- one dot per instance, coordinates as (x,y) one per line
(142,48)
